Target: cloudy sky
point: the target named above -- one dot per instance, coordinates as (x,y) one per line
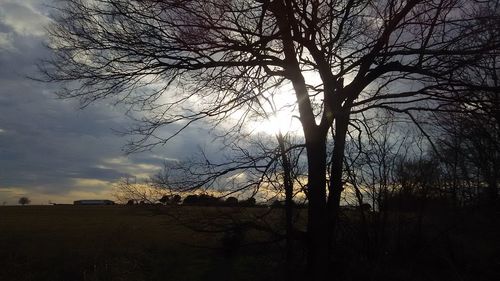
(49,148)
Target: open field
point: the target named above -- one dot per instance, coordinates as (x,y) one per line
(72,243)
(94,243)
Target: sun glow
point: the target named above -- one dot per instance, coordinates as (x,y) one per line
(283,121)
(278,114)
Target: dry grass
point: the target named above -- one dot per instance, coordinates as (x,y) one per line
(96,243)
(74,243)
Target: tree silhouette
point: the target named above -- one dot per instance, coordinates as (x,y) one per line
(339,58)
(24,200)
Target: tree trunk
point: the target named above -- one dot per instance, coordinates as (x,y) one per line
(318,250)
(492,189)
(335,186)
(287,177)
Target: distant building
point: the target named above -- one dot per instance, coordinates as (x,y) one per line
(93,202)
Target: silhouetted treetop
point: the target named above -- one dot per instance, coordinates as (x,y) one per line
(222,51)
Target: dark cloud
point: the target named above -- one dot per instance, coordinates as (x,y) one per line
(4,28)
(48,146)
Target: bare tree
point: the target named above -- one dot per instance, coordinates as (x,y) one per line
(469,134)
(471,154)
(339,57)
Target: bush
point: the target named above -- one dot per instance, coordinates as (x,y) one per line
(232,201)
(202,200)
(250,202)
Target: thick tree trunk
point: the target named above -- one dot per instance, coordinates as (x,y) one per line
(287,176)
(315,136)
(318,255)
(335,186)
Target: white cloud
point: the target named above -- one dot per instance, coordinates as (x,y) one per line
(166,159)
(23,18)
(91,183)
(125,164)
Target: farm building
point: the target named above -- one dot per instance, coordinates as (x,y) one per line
(93,202)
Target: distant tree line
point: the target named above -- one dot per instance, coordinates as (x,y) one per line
(197,200)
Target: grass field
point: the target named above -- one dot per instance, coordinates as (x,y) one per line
(73,243)
(135,243)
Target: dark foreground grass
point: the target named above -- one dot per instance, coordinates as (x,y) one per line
(135,243)
(450,245)
(72,243)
